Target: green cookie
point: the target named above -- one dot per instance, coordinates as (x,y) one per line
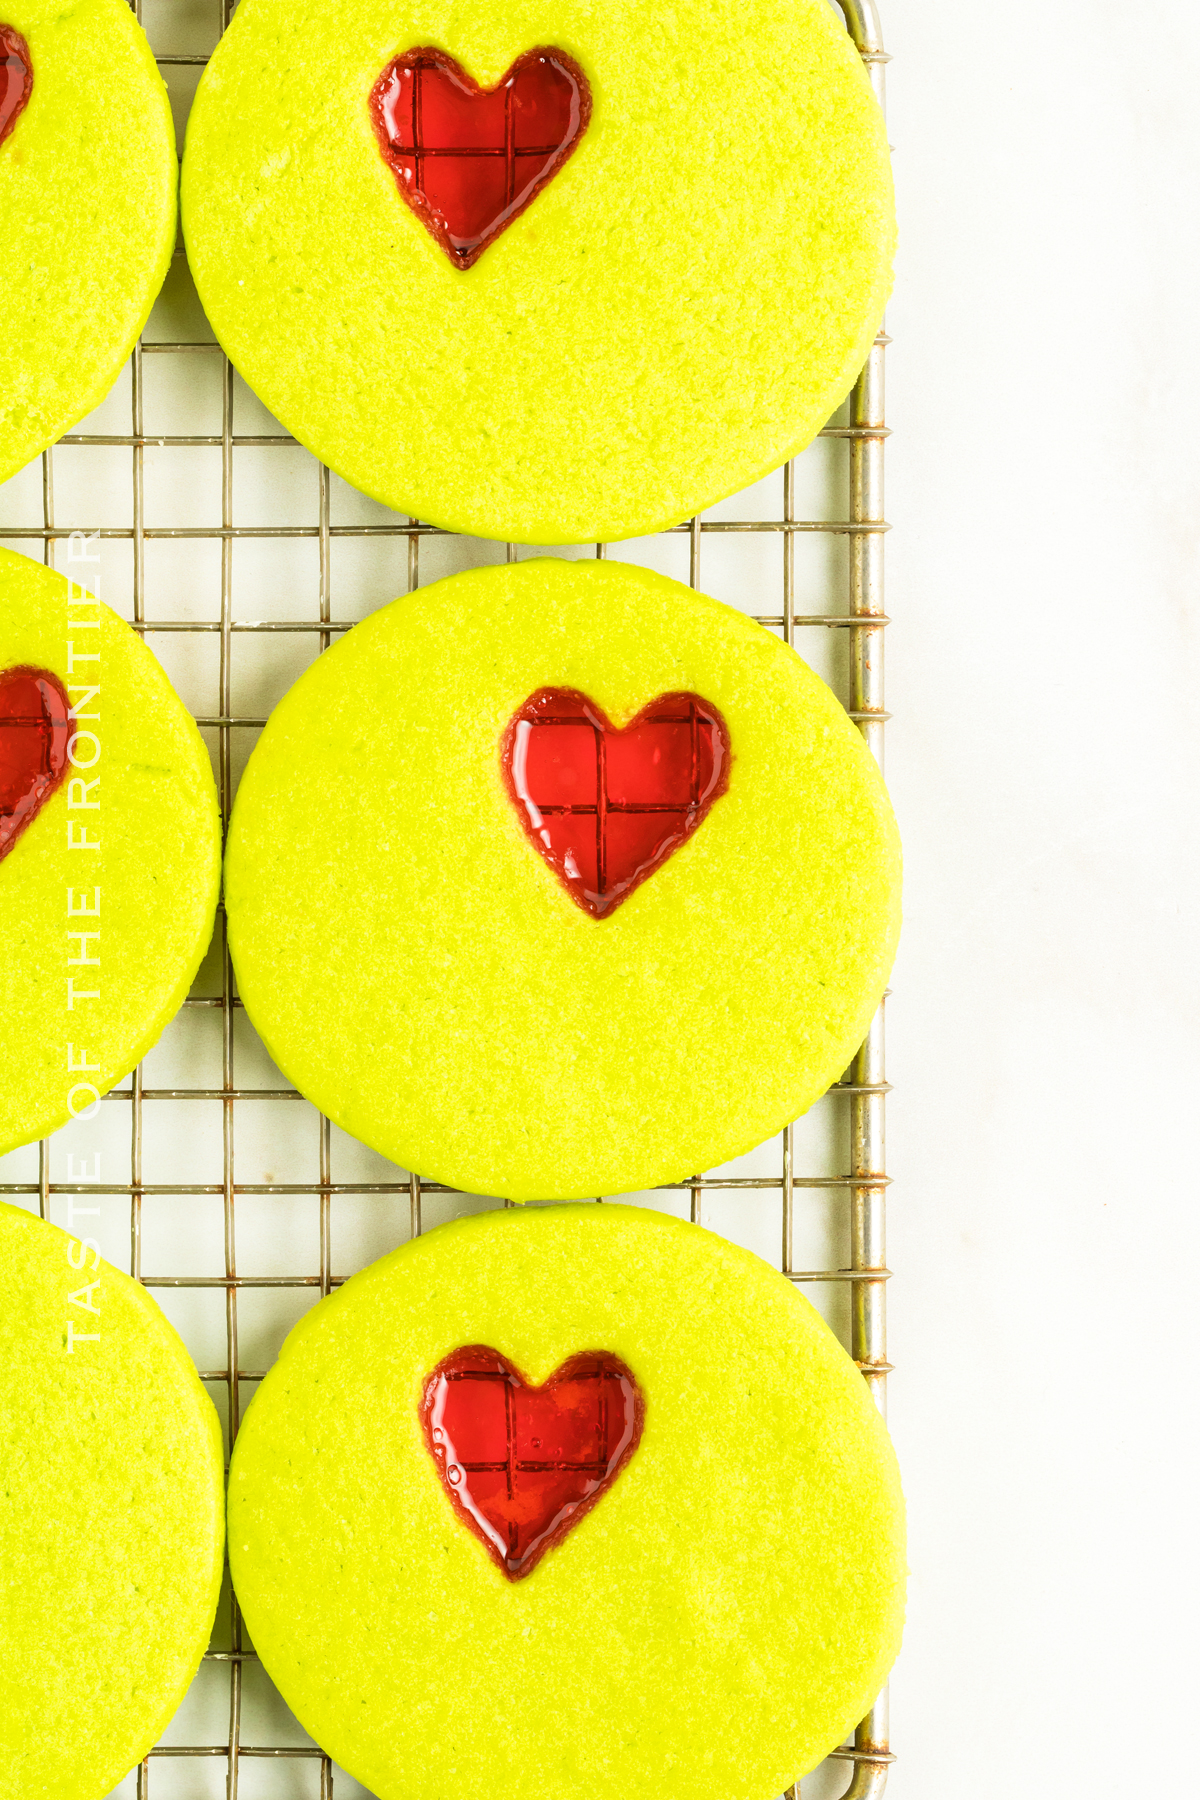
(88,180)
(709,1631)
(107,896)
(679,310)
(421,973)
(111,1519)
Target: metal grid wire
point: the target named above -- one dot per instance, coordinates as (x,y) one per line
(851,1177)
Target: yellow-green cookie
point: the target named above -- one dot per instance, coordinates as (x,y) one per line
(709,1630)
(88,179)
(680,308)
(111,1518)
(107,896)
(421,973)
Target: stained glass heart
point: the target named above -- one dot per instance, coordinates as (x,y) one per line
(606,808)
(16,78)
(467,159)
(521,1464)
(34,728)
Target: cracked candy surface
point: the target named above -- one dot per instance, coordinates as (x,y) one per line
(419,971)
(679,311)
(88,183)
(111,1518)
(710,1630)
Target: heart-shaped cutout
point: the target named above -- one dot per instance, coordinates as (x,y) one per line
(606,808)
(521,1464)
(34,729)
(467,159)
(16,78)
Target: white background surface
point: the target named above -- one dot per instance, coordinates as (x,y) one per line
(1045,484)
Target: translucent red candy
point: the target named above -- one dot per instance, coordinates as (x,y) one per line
(606,808)
(522,1465)
(34,729)
(468,159)
(16,78)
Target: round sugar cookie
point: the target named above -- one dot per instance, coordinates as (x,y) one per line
(708,1627)
(439,963)
(541,270)
(88,180)
(110,850)
(112,1524)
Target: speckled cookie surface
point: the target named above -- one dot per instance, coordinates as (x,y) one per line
(111,1518)
(107,897)
(420,973)
(728,1609)
(680,309)
(88,180)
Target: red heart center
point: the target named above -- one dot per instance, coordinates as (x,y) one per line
(606,808)
(468,159)
(523,1464)
(16,78)
(34,728)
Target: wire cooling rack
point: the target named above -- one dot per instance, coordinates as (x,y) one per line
(240,558)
